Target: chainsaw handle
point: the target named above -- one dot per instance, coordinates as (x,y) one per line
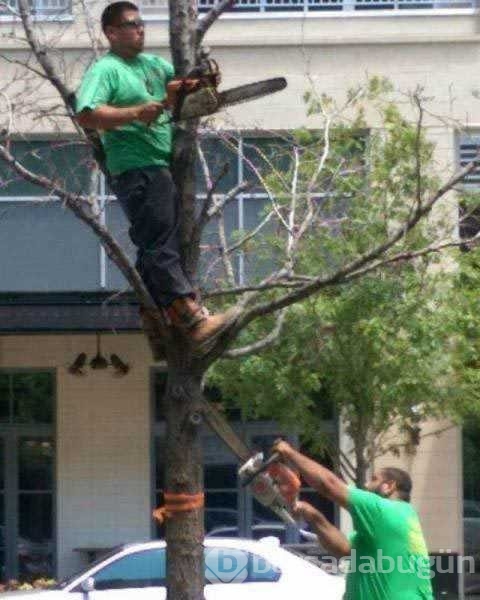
(275,457)
(287,479)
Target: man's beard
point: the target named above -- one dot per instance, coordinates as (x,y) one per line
(378,491)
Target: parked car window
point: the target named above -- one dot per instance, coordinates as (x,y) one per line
(141,569)
(260,570)
(222,565)
(234,565)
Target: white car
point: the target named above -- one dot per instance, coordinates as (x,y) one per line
(235,569)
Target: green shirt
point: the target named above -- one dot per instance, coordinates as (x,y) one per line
(389,559)
(119,82)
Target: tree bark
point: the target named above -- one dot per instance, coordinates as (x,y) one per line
(184,475)
(184,461)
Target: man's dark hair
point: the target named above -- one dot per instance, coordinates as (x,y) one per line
(402,479)
(113,12)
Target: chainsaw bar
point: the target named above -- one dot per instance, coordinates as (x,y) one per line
(219,425)
(207,101)
(251,91)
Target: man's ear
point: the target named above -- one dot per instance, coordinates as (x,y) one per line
(109,32)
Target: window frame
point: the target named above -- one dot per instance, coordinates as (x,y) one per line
(42,15)
(471,183)
(11,434)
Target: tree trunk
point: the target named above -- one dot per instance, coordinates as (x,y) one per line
(184,475)
(184,464)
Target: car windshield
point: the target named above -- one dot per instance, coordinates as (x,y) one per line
(62,584)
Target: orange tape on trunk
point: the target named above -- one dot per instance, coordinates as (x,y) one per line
(176,503)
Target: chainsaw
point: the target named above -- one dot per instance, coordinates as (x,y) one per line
(272,483)
(197,94)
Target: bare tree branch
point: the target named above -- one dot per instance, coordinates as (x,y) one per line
(262,287)
(418,139)
(258,346)
(94,41)
(412,254)
(219,205)
(41,54)
(342,274)
(209,19)
(227,264)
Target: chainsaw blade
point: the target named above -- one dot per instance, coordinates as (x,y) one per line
(208,101)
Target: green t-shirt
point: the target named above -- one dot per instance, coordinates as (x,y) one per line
(119,82)
(389,559)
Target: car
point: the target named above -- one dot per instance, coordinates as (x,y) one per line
(235,569)
(261,530)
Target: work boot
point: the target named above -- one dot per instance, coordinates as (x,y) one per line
(195,321)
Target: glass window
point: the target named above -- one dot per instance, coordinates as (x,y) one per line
(26,397)
(160,386)
(2,511)
(261,570)
(36,463)
(234,565)
(35,540)
(49,246)
(5,396)
(35,506)
(27,401)
(220,476)
(2,472)
(33,397)
(67,162)
(142,569)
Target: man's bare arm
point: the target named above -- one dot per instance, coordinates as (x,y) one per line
(329,536)
(109,117)
(318,477)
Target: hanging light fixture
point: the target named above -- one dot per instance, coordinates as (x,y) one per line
(76,368)
(98,361)
(121,368)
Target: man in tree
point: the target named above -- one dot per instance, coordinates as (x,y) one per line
(389,559)
(121,95)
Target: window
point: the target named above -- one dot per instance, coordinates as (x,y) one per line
(27,463)
(53,249)
(265,7)
(53,8)
(141,569)
(469,209)
(234,565)
(241,159)
(147,568)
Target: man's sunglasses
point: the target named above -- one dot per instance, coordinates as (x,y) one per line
(133,24)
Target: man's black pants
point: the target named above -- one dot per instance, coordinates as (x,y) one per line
(149,200)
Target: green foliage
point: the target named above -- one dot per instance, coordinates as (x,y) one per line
(376,351)
(463,317)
